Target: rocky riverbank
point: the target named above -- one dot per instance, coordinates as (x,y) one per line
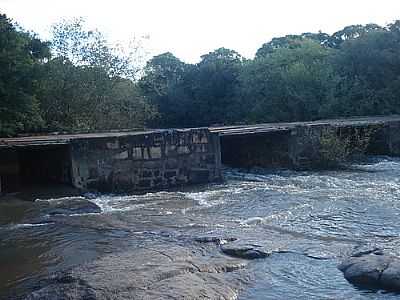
(159,271)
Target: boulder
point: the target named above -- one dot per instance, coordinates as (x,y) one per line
(245,250)
(374,270)
(71,206)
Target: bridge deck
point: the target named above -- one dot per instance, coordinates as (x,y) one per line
(270,127)
(60,139)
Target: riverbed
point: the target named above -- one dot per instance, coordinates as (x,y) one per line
(308,220)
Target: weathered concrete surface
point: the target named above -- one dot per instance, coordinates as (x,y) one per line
(112,162)
(157,272)
(373,270)
(298,145)
(147,161)
(272,127)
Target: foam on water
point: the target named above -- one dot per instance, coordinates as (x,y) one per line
(120,203)
(206,199)
(30,225)
(60,199)
(112,203)
(217,197)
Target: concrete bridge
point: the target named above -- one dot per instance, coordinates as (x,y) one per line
(161,159)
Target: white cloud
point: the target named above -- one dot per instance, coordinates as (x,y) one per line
(190,28)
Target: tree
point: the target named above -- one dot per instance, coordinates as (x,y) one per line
(193,95)
(72,41)
(369,68)
(352,32)
(87,86)
(292,42)
(290,84)
(20,55)
(215,80)
(163,84)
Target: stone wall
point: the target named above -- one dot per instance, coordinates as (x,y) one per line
(148,161)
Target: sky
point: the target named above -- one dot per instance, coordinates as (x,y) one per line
(191,28)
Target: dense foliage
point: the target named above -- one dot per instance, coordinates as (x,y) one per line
(355,71)
(78,81)
(20,54)
(75,83)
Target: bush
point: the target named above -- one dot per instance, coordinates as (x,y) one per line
(337,148)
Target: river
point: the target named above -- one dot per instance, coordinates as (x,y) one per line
(315,218)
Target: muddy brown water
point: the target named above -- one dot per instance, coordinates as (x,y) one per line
(311,219)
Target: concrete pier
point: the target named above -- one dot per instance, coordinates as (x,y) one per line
(112,162)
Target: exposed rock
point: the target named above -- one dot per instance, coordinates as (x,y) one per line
(159,272)
(366,249)
(245,250)
(65,287)
(72,206)
(373,270)
(319,253)
(214,239)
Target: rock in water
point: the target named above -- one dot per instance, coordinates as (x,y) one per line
(245,250)
(72,206)
(214,240)
(373,270)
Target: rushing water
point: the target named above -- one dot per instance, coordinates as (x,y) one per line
(324,215)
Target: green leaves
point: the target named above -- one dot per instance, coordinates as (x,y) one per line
(290,84)
(85,47)
(20,53)
(84,83)
(193,95)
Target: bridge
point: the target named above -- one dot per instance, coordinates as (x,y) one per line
(165,158)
